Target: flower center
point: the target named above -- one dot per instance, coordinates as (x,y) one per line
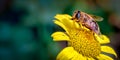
(84,43)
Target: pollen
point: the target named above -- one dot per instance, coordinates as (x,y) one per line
(84,42)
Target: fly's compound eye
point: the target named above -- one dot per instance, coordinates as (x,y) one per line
(77,15)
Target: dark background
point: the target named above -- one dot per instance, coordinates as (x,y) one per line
(26,25)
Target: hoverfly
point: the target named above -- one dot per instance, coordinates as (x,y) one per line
(87,20)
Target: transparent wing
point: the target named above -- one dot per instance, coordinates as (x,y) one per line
(97,18)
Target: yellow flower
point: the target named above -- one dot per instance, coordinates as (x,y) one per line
(83,44)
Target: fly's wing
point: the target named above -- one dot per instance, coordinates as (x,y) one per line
(96,18)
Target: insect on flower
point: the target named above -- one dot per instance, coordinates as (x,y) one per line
(83,41)
(87,20)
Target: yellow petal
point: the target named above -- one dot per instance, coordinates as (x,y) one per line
(61,25)
(104,57)
(75,57)
(76,25)
(69,53)
(90,59)
(66,20)
(102,39)
(60,36)
(79,57)
(108,49)
(61,17)
(68,23)
(66,54)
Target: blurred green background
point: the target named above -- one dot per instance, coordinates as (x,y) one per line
(26,26)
